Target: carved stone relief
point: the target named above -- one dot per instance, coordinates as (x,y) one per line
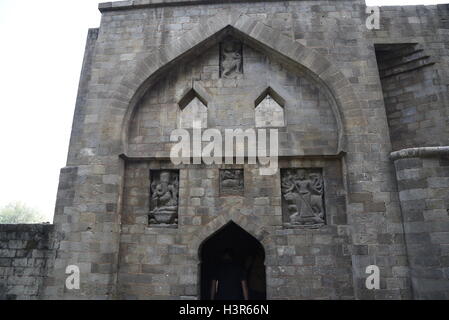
(231,59)
(231,182)
(164,197)
(302,198)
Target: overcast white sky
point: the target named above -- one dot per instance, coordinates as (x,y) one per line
(41,51)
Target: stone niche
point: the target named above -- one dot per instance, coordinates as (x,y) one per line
(231,182)
(302,198)
(164,193)
(231,58)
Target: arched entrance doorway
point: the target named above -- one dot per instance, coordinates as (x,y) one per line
(248,253)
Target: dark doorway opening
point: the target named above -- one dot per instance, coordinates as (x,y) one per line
(249,254)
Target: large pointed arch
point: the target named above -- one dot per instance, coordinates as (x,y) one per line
(346,105)
(250,224)
(246,253)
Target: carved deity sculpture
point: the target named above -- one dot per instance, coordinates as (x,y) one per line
(303,193)
(231,181)
(164,198)
(231,59)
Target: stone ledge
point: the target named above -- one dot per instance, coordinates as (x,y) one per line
(136,4)
(33,227)
(128,158)
(421,152)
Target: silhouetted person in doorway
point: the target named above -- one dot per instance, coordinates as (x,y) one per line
(256,276)
(229,281)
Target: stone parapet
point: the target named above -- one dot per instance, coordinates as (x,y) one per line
(421,152)
(136,4)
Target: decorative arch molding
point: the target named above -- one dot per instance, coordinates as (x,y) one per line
(258,35)
(279,95)
(184,96)
(248,223)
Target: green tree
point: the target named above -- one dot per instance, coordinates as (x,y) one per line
(18,212)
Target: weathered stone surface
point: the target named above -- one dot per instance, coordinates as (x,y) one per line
(424,208)
(232,182)
(317,61)
(164,197)
(302,191)
(26,256)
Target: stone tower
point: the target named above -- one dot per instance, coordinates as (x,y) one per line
(362,122)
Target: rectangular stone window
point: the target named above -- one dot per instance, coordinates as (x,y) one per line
(164,198)
(302,197)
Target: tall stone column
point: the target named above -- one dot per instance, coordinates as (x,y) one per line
(423,184)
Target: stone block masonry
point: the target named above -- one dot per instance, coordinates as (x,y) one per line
(26,255)
(319,58)
(144,67)
(423,185)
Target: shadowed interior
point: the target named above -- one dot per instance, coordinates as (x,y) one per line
(248,251)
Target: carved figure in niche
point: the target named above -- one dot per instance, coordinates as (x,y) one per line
(304,195)
(231,59)
(164,198)
(231,181)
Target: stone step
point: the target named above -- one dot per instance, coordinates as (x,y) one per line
(407,67)
(401,59)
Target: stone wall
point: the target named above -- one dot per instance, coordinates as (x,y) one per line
(412,55)
(139,46)
(423,180)
(161,262)
(131,64)
(413,99)
(413,61)
(26,255)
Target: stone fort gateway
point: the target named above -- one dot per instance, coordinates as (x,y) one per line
(358,98)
